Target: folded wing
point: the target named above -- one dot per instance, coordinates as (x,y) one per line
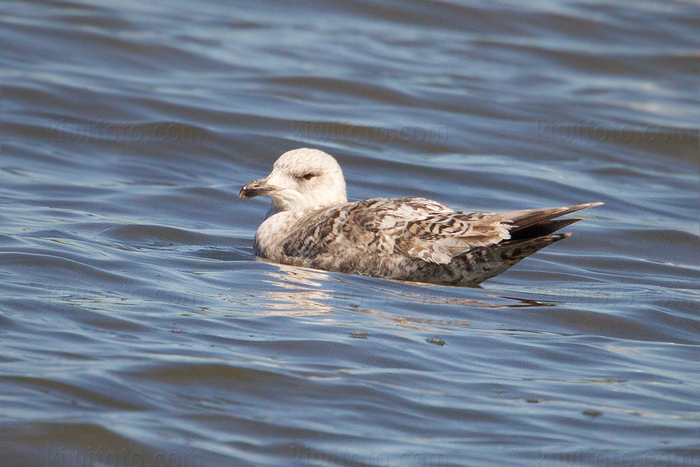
(416,228)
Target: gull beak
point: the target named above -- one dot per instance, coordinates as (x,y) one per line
(256,188)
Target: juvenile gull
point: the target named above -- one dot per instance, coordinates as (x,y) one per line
(311,224)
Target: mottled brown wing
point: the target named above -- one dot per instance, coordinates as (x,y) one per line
(438,238)
(415,227)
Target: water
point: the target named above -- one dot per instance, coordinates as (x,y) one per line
(137,329)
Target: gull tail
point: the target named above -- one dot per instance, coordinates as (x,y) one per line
(530,231)
(536,220)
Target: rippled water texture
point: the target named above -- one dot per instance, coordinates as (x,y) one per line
(136,328)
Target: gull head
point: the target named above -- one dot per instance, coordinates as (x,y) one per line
(301,179)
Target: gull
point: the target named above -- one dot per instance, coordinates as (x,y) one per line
(312,224)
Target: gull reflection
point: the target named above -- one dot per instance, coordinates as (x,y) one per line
(302,294)
(307,292)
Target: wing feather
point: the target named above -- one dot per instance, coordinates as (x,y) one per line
(415,227)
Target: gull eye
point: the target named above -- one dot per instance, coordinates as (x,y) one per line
(308,176)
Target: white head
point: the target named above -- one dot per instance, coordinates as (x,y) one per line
(301,179)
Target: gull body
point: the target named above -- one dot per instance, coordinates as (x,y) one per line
(312,224)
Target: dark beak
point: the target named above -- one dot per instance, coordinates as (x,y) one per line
(256,188)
